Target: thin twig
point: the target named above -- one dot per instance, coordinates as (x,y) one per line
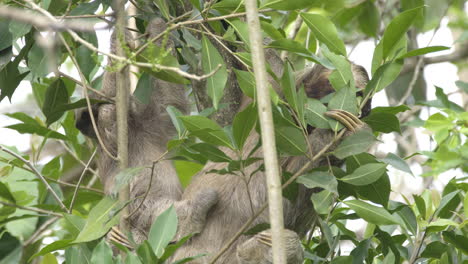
(87,16)
(38,174)
(76,157)
(44,227)
(74,185)
(413,81)
(88,101)
(87,87)
(149,185)
(32,209)
(75,193)
(292,35)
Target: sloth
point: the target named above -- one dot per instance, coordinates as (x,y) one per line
(214,206)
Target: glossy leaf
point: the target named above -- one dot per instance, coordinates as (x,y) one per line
(365,174)
(102,253)
(163,231)
(100,219)
(290,140)
(313,114)
(325,32)
(383,122)
(287,5)
(319,179)
(207,130)
(397,163)
(423,51)
(210,61)
(243,124)
(354,144)
(370,213)
(397,29)
(55,97)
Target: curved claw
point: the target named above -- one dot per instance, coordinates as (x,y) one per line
(264,239)
(349,120)
(118,237)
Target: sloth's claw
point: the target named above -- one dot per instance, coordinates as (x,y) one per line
(350,121)
(118,237)
(265,238)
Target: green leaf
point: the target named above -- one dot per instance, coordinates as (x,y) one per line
(246,82)
(397,29)
(163,8)
(163,231)
(241,29)
(342,76)
(323,201)
(6,38)
(146,254)
(397,163)
(207,130)
(54,246)
(5,193)
(85,61)
(19,29)
(85,8)
(290,140)
(383,122)
(243,124)
(319,179)
(100,219)
(421,205)
(434,250)
(459,241)
(125,176)
(144,88)
(365,174)
(49,259)
(384,76)
(38,62)
(298,49)
(423,51)
(445,201)
(287,5)
(210,61)
(390,109)
(324,31)
(10,78)
(288,85)
(354,144)
(56,96)
(210,152)
(369,19)
(372,214)
(38,130)
(174,113)
(313,115)
(102,254)
(344,99)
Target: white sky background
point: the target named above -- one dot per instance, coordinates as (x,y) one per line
(442,75)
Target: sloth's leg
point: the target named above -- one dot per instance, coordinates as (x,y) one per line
(257,250)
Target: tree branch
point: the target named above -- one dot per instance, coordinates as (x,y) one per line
(32,209)
(79,182)
(122,100)
(43,22)
(270,156)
